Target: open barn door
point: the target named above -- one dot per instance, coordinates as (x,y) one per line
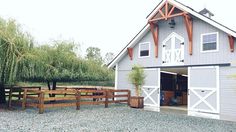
(203,89)
(151,88)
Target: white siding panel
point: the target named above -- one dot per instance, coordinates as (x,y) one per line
(228,91)
(123,82)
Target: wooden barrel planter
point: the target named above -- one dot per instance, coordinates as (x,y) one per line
(136,102)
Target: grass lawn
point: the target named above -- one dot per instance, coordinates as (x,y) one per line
(117,117)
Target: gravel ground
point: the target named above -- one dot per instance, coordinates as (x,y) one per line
(116,118)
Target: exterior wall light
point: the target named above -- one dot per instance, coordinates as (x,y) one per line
(172,23)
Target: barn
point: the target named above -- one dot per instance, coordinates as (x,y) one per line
(188,59)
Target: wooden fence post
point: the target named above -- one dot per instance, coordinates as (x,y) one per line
(78,97)
(24,99)
(113,94)
(65,93)
(10,97)
(19,94)
(128,98)
(94,99)
(41,103)
(106,98)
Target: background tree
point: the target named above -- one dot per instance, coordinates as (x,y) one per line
(94,53)
(108,57)
(59,63)
(50,63)
(14,46)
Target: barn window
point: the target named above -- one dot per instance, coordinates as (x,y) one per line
(144,49)
(209,42)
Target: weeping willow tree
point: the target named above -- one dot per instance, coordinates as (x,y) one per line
(14,46)
(59,63)
(21,61)
(49,64)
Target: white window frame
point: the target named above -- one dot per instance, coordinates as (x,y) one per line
(217,42)
(149,47)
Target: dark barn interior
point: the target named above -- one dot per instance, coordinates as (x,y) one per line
(173,89)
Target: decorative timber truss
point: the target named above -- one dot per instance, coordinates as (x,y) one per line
(130,53)
(166,12)
(231,43)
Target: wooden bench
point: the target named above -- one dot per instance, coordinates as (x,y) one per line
(73,98)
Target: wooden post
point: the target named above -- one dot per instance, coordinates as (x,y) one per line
(156,43)
(231,43)
(41,103)
(155,37)
(24,99)
(78,97)
(113,94)
(19,94)
(54,87)
(171,11)
(94,99)
(166,11)
(65,93)
(189,27)
(130,53)
(128,98)
(10,97)
(106,98)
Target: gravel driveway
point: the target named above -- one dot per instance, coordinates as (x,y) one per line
(116,118)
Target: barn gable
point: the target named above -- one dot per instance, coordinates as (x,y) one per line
(166,10)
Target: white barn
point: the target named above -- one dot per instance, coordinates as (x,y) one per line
(186,56)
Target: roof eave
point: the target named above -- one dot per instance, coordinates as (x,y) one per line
(202,17)
(130,44)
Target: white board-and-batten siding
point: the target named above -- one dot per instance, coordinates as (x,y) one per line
(228,91)
(227,84)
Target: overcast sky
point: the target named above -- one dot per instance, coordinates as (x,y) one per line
(107,24)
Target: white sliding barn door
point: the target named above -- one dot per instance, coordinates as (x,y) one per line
(203,89)
(151,88)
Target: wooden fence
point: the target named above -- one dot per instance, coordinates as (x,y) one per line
(16,92)
(73,97)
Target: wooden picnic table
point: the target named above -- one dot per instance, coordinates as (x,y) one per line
(19,90)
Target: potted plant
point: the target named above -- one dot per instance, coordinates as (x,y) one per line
(136,77)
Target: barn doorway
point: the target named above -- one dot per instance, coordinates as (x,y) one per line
(174,89)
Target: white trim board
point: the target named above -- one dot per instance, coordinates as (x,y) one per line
(173,34)
(116,76)
(131,44)
(203,115)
